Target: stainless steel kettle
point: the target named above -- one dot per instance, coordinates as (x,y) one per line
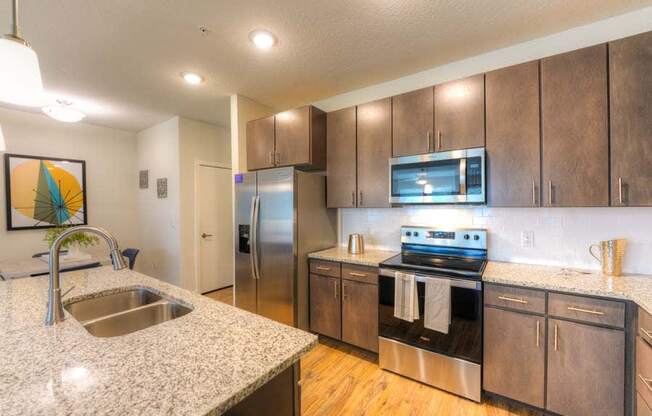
(356,244)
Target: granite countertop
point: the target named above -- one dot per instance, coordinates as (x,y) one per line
(203,362)
(637,288)
(369,258)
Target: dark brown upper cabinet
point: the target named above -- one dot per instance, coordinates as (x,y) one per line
(412,123)
(513,139)
(260,143)
(574,128)
(459,114)
(374,151)
(301,138)
(341,158)
(630,83)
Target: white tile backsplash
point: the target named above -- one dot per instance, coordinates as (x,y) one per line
(561,235)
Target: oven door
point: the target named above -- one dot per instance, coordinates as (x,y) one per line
(464,338)
(438,178)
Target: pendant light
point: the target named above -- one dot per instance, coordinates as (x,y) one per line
(20,74)
(3,145)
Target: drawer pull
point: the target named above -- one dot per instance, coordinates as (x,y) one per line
(517,300)
(358,274)
(646,381)
(322,268)
(591,311)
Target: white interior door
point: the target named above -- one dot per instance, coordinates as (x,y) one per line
(215,228)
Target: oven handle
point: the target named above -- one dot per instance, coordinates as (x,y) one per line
(465,284)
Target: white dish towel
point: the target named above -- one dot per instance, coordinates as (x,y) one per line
(406,300)
(437,305)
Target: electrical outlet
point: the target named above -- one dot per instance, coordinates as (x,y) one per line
(527,239)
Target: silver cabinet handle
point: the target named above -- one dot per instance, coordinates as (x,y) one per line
(204,235)
(534,195)
(270,158)
(620,190)
(253,239)
(358,274)
(646,381)
(361,200)
(439,139)
(517,300)
(429,141)
(323,268)
(549,192)
(538,330)
(335,288)
(353,198)
(343,291)
(591,311)
(278,158)
(556,338)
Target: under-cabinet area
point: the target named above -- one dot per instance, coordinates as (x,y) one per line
(564,353)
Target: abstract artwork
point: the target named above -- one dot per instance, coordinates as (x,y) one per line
(143,179)
(44,192)
(162,187)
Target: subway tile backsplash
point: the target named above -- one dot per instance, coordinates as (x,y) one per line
(561,236)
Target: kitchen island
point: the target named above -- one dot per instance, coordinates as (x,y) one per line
(205,362)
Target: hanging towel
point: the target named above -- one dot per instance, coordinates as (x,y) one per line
(437,305)
(406,300)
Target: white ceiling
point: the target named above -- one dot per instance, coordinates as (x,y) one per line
(121,59)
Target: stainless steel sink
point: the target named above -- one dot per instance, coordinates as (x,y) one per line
(125,312)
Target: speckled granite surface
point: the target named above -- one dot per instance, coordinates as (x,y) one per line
(637,288)
(368,258)
(203,362)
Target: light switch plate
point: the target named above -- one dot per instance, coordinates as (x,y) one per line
(527,239)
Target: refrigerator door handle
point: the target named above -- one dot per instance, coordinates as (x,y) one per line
(255,203)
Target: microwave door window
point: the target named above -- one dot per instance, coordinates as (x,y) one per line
(426,179)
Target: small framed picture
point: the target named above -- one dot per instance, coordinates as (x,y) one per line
(143,179)
(162,187)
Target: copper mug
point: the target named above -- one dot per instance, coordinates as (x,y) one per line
(610,256)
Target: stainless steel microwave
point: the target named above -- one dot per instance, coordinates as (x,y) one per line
(456,177)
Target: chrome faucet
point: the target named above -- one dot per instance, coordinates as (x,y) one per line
(55,306)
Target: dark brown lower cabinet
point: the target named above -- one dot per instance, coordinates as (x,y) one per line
(325,306)
(514,355)
(360,314)
(586,371)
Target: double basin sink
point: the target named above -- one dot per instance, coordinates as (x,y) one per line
(125,312)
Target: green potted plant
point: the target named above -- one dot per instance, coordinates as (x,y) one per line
(73,244)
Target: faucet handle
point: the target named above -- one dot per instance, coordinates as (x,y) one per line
(67,291)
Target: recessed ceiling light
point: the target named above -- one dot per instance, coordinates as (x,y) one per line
(262,39)
(192,78)
(63,111)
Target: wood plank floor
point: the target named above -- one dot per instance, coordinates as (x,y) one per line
(338,379)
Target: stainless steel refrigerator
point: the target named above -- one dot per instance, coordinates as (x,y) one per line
(280,217)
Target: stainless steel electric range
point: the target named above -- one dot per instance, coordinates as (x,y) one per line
(451,361)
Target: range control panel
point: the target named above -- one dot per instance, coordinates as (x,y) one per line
(460,237)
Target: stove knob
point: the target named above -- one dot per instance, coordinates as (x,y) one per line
(476,237)
(408,233)
(466,236)
(416,233)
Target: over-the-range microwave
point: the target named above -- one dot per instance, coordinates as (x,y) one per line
(456,177)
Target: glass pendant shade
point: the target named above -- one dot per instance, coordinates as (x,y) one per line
(20,74)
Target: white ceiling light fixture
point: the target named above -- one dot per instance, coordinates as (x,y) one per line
(63,111)
(20,73)
(3,144)
(192,78)
(263,39)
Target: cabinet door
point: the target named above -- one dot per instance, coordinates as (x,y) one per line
(459,114)
(341,158)
(630,81)
(360,314)
(260,143)
(513,156)
(293,137)
(574,126)
(412,123)
(325,309)
(586,369)
(514,355)
(374,151)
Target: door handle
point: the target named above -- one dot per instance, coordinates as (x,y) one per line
(335,288)
(361,200)
(254,236)
(439,140)
(550,193)
(620,190)
(204,235)
(556,338)
(538,332)
(429,140)
(534,193)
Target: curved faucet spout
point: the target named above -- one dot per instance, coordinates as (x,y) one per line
(55,306)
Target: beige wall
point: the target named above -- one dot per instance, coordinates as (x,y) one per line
(111,179)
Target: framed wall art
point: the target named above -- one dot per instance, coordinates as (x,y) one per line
(44,192)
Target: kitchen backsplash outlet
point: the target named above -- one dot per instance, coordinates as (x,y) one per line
(563,235)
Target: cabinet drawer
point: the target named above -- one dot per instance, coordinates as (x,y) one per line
(641,407)
(363,274)
(325,268)
(529,300)
(645,325)
(599,311)
(644,369)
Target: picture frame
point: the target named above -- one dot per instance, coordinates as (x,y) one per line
(44,192)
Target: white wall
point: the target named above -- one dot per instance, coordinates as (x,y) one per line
(562,235)
(243,109)
(204,142)
(111,179)
(158,219)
